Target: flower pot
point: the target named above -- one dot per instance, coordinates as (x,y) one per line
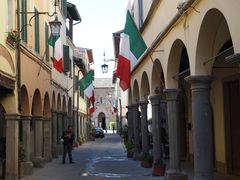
(158,170)
(146,164)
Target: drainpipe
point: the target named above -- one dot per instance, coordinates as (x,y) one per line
(78,103)
(164,32)
(18,59)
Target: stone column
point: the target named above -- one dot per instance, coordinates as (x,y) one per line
(47,136)
(12,137)
(54,135)
(156,132)
(64,121)
(136,132)
(60,131)
(28,165)
(144,127)
(75,123)
(174,171)
(130,124)
(202,127)
(38,160)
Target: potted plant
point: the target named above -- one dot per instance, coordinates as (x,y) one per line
(158,168)
(147,160)
(12,37)
(130,149)
(21,160)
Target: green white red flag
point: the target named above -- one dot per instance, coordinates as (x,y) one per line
(91,109)
(132,46)
(55,41)
(86,85)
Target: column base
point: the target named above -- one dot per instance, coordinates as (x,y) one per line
(27,168)
(38,162)
(173,175)
(55,152)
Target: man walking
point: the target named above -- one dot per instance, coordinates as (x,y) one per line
(68,138)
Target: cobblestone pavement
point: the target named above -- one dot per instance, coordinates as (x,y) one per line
(104,158)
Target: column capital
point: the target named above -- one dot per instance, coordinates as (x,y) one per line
(14,116)
(171,94)
(155,99)
(26,118)
(47,118)
(143,102)
(135,107)
(37,118)
(200,81)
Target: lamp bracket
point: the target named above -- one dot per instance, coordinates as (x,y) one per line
(33,16)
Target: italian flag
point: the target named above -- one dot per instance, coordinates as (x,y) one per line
(86,85)
(132,46)
(55,41)
(91,109)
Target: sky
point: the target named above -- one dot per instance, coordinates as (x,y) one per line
(100,18)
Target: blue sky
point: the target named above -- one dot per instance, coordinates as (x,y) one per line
(100,18)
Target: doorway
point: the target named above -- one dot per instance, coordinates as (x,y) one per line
(232,124)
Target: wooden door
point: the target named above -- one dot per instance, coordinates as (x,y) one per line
(232,92)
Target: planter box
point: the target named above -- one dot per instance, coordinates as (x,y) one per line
(159,170)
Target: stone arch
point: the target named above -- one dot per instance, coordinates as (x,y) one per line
(4,53)
(46,106)
(54,107)
(59,107)
(177,63)
(25,108)
(214,45)
(135,95)
(145,89)
(214,33)
(37,104)
(157,83)
(102,120)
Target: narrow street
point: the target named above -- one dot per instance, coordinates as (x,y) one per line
(104,158)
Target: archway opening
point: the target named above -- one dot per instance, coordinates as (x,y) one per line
(102,120)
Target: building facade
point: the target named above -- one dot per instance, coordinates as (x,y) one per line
(36,101)
(191,67)
(104,93)
(9,102)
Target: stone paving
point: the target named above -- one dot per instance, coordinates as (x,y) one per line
(104,158)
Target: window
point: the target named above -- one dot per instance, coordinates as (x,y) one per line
(64,7)
(24,20)
(66,58)
(46,42)
(140,13)
(36,31)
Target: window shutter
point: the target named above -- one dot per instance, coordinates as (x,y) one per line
(66,58)
(24,20)
(36,31)
(46,42)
